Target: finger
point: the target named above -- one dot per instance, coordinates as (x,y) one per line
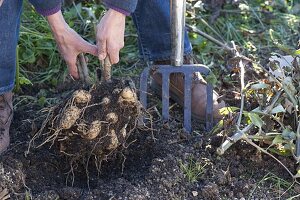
(72,67)
(114,56)
(89,48)
(102,52)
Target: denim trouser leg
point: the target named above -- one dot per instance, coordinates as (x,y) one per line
(10,12)
(152,20)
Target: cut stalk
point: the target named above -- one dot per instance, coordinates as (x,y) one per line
(241,134)
(83,70)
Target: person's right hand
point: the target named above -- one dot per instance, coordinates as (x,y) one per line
(69,43)
(110,35)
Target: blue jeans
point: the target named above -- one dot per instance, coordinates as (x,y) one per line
(151,18)
(10,12)
(152,21)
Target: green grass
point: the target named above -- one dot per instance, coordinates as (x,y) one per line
(38,56)
(193,169)
(259,30)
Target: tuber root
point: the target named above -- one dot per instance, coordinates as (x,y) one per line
(94,130)
(127,95)
(81,128)
(82,96)
(112,118)
(69,117)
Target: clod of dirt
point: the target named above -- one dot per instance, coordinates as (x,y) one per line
(69,117)
(10,178)
(70,193)
(114,142)
(82,96)
(223,177)
(47,195)
(210,191)
(85,127)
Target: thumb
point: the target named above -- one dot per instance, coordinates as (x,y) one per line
(89,48)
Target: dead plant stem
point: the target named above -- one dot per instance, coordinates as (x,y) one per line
(242,133)
(242,68)
(249,141)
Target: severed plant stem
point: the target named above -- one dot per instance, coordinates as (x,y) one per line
(241,134)
(242,68)
(83,69)
(233,139)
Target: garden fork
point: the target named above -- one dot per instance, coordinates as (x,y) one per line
(178,8)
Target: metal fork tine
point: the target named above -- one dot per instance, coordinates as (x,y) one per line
(188,71)
(209,107)
(143,86)
(187,102)
(165,96)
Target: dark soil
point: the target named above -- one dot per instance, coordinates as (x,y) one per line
(92,126)
(154,167)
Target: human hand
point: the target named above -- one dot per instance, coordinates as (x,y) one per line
(69,43)
(110,35)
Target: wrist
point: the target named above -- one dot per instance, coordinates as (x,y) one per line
(120,11)
(116,13)
(57,23)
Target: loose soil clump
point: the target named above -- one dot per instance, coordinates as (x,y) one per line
(94,123)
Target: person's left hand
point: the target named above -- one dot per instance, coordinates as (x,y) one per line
(70,44)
